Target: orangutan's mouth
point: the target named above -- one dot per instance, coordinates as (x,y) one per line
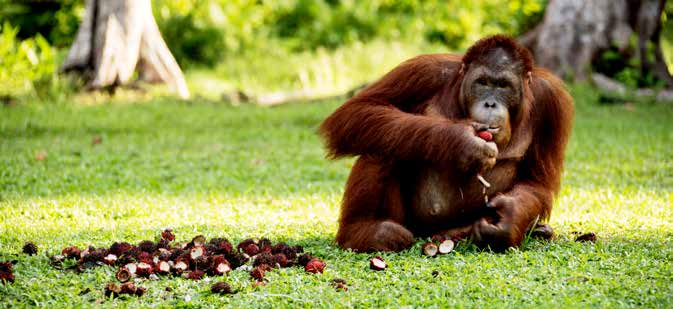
(494,129)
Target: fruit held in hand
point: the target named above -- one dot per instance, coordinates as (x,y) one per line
(485,135)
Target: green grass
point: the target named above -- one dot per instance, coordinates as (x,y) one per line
(247,171)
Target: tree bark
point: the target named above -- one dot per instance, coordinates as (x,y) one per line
(574,31)
(118,36)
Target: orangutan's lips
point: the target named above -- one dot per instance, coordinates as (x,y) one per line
(494,129)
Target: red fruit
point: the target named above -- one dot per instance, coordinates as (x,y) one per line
(377,263)
(265,245)
(110,259)
(6,274)
(220,265)
(251,249)
(144,269)
(164,255)
(196,252)
(145,257)
(241,246)
(429,249)
(194,275)
(128,288)
(304,259)
(167,234)
(590,237)
(123,274)
(281,259)
(163,267)
(112,289)
(131,267)
(220,246)
(181,265)
(222,268)
(315,266)
(147,246)
(120,248)
(29,248)
(221,288)
(264,258)
(446,246)
(485,135)
(71,252)
(340,284)
(198,240)
(257,273)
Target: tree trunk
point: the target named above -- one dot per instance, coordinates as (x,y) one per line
(574,32)
(114,38)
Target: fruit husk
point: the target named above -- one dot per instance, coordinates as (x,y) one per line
(377,263)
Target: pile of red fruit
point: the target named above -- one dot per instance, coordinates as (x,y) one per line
(192,260)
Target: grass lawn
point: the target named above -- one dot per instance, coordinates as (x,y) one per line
(217,170)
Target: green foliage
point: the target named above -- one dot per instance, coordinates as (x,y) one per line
(25,65)
(301,25)
(191,42)
(57,21)
(625,67)
(206,31)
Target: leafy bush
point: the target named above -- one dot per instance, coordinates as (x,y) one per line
(192,42)
(55,20)
(205,31)
(302,25)
(25,65)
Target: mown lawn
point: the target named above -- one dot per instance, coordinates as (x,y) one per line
(217,170)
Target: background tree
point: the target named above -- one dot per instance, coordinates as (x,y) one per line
(574,36)
(118,36)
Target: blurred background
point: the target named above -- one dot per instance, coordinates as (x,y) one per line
(237,50)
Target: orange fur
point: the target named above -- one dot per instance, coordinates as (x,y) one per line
(386,126)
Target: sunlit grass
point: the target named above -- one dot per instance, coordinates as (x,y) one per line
(245,171)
